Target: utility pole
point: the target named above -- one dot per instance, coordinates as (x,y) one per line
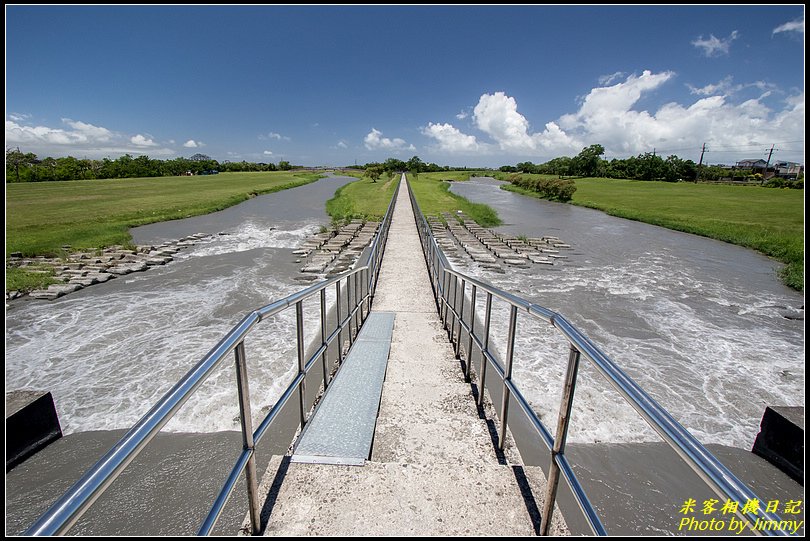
(767,164)
(702,150)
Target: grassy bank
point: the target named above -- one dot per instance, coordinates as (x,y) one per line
(362,199)
(434,197)
(768,220)
(87,214)
(366,199)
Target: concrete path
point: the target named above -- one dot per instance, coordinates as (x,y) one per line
(433,469)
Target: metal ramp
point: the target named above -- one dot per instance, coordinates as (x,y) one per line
(341,429)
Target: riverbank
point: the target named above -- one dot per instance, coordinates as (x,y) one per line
(368,200)
(42,218)
(768,220)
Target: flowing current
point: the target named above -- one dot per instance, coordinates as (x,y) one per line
(698,324)
(110,351)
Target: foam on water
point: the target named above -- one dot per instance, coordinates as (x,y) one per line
(107,358)
(713,354)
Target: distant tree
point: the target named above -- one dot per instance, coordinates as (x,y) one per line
(373,172)
(587,162)
(393,164)
(200,158)
(15,160)
(284,165)
(415,165)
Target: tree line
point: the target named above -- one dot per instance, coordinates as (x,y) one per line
(27,167)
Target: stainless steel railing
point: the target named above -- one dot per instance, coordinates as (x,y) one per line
(359,287)
(450,287)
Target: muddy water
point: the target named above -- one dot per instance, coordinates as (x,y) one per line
(108,352)
(697,323)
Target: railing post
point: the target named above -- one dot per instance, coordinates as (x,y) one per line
(339,321)
(452,314)
(324,356)
(510,353)
(559,440)
(472,331)
(460,319)
(349,312)
(247,437)
(485,349)
(445,286)
(299,328)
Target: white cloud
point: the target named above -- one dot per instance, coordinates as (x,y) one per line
(608,115)
(465,113)
(450,139)
(341,144)
(496,115)
(375,141)
(274,135)
(19,117)
(79,139)
(191,143)
(792,26)
(268,152)
(142,141)
(607,79)
(714,46)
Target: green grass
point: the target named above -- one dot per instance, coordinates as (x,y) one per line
(21,280)
(88,214)
(434,197)
(768,220)
(362,199)
(369,200)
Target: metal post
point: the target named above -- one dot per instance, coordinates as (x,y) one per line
(485,350)
(452,328)
(445,285)
(339,321)
(299,327)
(472,331)
(358,303)
(460,319)
(510,352)
(560,438)
(349,313)
(324,356)
(247,437)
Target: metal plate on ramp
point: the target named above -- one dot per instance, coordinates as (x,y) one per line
(342,428)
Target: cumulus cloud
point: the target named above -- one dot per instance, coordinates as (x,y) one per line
(268,152)
(609,115)
(375,141)
(450,139)
(142,141)
(341,144)
(465,113)
(78,138)
(19,117)
(191,143)
(715,46)
(496,115)
(792,26)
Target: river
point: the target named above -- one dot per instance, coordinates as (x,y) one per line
(698,323)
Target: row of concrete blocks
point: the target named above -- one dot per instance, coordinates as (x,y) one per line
(82,269)
(344,247)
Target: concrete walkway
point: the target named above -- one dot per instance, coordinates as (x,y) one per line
(433,469)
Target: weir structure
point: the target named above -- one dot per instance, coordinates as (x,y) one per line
(411,435)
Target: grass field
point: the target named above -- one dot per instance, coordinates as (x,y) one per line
(366,199)
(768,220)
(41,217)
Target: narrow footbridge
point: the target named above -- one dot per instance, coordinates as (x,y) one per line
(404,411)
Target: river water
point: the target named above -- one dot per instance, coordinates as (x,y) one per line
(110,351)
(697,323)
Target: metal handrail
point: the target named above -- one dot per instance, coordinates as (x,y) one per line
(450,305)
(360,284)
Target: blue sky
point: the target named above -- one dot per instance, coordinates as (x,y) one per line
(455,85)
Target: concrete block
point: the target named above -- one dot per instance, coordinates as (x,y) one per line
(781,440)
(31,424)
